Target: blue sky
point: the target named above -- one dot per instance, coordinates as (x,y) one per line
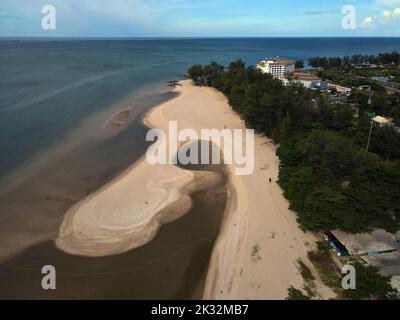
(200,18)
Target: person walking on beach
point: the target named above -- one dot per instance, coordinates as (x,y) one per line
(270,180)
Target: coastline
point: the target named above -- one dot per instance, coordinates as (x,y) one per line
(98,226)
(255,254)
(50,182)
(127,212)
(257,214)
(171,266)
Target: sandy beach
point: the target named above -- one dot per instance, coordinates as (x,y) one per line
(259,242)
(128,212)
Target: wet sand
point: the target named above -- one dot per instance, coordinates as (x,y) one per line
(34,199)
(118,120)
(128,212)
(177,257)
(257,216)
(172,266)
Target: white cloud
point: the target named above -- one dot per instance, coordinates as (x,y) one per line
(396,12)
(389,15)
(368,22)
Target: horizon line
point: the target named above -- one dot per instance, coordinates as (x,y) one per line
(188,37)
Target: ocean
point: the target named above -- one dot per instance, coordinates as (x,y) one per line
(48,88)
(58,141)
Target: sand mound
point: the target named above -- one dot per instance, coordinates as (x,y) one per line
(128,212)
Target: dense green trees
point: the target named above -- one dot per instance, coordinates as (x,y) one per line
(324,209)
(196,74)
(346,79)
(299,64)
(329,179)
(316,169)
(324,62)
(346,62)
(370,285)
(373,194)
(296,294)
(386,142)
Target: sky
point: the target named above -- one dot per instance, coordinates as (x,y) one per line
(202,18)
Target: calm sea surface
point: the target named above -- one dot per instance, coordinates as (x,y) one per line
(58,144)
(48,88)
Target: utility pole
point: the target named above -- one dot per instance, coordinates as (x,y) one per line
(370,133)
(372,121)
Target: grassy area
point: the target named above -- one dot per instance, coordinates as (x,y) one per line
(309,284)
(305,271)
(347,79)
(392,72)
(295,294)
(369,283)
(327,269)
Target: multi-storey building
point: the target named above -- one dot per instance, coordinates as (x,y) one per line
(277,66)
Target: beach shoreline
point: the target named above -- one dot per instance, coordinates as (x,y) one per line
(47,184)
(128,212)
(257,214)
(255,255)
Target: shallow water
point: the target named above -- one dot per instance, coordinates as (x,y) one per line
(172,266)
(33,209)
(56,146)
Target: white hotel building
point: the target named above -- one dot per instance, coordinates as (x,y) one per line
(284,70)
(278,67)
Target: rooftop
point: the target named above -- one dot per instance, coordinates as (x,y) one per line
(279,61)
(334,85)
(305,76)
(357,244)
(389,263)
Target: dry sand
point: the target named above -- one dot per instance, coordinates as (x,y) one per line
(259,243)
(128,212)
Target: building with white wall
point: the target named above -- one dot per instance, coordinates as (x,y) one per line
(284,69)
(307,79)
(277,66)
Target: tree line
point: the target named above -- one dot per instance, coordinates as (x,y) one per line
(325,172)
(347,62)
